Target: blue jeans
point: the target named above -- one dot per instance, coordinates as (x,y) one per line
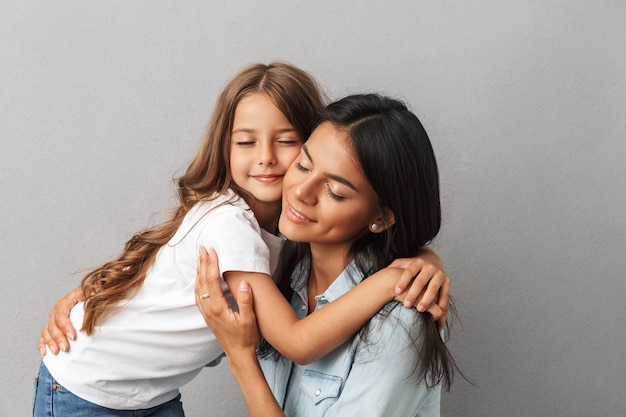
(53,400)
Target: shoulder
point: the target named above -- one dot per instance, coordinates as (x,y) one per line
(392,330)
(227,207)
(222,215)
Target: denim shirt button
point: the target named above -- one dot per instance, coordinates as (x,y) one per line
(302,307)
(318,392)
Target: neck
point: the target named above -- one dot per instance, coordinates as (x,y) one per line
(267,214)
(327,262)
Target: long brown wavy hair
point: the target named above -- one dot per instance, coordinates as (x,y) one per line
(291,89)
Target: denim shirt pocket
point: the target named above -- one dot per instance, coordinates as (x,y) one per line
(318,386)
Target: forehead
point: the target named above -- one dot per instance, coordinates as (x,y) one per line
(330,150)
(330,141)
(259,109)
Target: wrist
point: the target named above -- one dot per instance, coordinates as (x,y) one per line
(241,361)
(386,281)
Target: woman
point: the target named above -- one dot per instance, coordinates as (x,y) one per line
(363,192)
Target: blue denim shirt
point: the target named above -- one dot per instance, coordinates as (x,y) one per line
(357,379)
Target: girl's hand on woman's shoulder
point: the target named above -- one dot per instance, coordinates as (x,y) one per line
(424,284)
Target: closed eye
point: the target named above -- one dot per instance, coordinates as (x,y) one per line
(289,141)
(244,142)
(301,167)
(332,195)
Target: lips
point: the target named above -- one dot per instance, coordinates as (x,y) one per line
(267,179)
(295,216)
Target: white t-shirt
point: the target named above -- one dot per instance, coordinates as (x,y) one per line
(158,341)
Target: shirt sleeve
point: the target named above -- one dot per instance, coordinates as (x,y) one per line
(380,382)
(236,237)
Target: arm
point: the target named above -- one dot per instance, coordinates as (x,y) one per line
(238,334)
(59,330)
(383,368)
(311,338)
(308,339)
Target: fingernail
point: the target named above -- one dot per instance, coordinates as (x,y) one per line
(398,290)
(421,308)
(63,347)
(54,349)
(69,336)
(243,286)
(42,352)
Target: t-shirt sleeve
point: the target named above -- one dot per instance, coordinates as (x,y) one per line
(236,237)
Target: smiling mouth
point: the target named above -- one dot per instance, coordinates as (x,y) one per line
(295,216)
(268,179)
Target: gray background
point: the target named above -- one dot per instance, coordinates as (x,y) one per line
(102,103)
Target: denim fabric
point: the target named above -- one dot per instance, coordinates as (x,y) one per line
(53,400)
(359,378)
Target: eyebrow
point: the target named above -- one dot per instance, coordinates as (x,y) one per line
(249,130)
(329,175)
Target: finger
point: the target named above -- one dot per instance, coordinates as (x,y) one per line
(207,282)
(406,278)
(246,316)
(60,326)
(435,311)
(431,292)
(444,303)
(201,271)
(48,341)
(41,346)
(441,323)
(62,329)
(411,268)
(418,287)
(56,336)
(205,272)
(78,295)
(245,301)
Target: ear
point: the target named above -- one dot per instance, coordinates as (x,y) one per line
(382,221)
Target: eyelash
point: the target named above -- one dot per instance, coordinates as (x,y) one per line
(288,141)
(333,195)
(282,141)
(329,191)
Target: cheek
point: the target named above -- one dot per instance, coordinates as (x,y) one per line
(290,176)
(288,156)
(351,219)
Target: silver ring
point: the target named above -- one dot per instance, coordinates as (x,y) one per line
(204,296)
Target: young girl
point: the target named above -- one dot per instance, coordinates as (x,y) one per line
(369,160)
(141,335)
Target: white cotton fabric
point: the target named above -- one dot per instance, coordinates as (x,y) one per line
(158,341)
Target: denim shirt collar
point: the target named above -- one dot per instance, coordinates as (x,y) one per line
(348,278)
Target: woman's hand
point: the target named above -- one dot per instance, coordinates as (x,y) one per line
(57,333)
(428,285)
(235,331)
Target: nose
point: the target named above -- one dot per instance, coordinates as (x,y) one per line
(305,191)
(266,155)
